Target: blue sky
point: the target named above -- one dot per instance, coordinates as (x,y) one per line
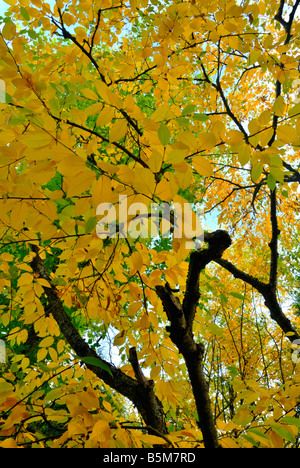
(4,6)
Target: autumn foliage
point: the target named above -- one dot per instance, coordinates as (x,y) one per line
(138,340)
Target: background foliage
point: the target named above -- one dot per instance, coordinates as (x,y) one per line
(161,101)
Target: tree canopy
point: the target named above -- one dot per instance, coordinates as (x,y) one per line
(115,331)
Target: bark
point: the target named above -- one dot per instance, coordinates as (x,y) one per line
(181,317)
(269,294)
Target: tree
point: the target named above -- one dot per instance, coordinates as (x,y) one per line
(116,107)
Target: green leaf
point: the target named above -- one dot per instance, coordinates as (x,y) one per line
(233,371)
(32,34)
(259,433)
(183,122)
(292,421)
(238,296)
(277,173)
(96,362)
(200,117)
(25,13)
(256,171)
(90,224)
(45,368)
(223,298)
(13,272)
(215,329)
(284,433)
(189,109)
(271,182)
(164,135)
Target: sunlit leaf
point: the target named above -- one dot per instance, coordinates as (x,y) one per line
(203,166)
(164,135)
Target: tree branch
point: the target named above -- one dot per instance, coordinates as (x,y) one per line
(143,397)
(218,241)
(67,35)
(133,359)
(181,319)
(274,241)
(287,24)
(269,295)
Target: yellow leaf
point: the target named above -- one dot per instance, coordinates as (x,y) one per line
(7,257)
(25,278)
(89,399)
(102,89)
(244,155)
(9,443)
(151,439)
(176,155)
(279,106)
(41,354)
(281,76)
(25,363)
(287,133)
(266,136)
(234,138)
(44,282)
(53,354)
(137,260)
(101,431)
(95,108)
(144,181)
(81,182)
(105,116)
(118,130)
(164,190)
(155,371)
(203,166)
(89,94)
(75,428)
(9,30)
(46,342)
(184,174)
(106,94)
(22,336)
(227,442)
(276,440)
(102,192)
(120,338)
(37,139)
(162,113)
(155,161)
(135,291)
(144,323)
(243,417)
(189,139)
(265,118)
(206,141)
(134,307)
